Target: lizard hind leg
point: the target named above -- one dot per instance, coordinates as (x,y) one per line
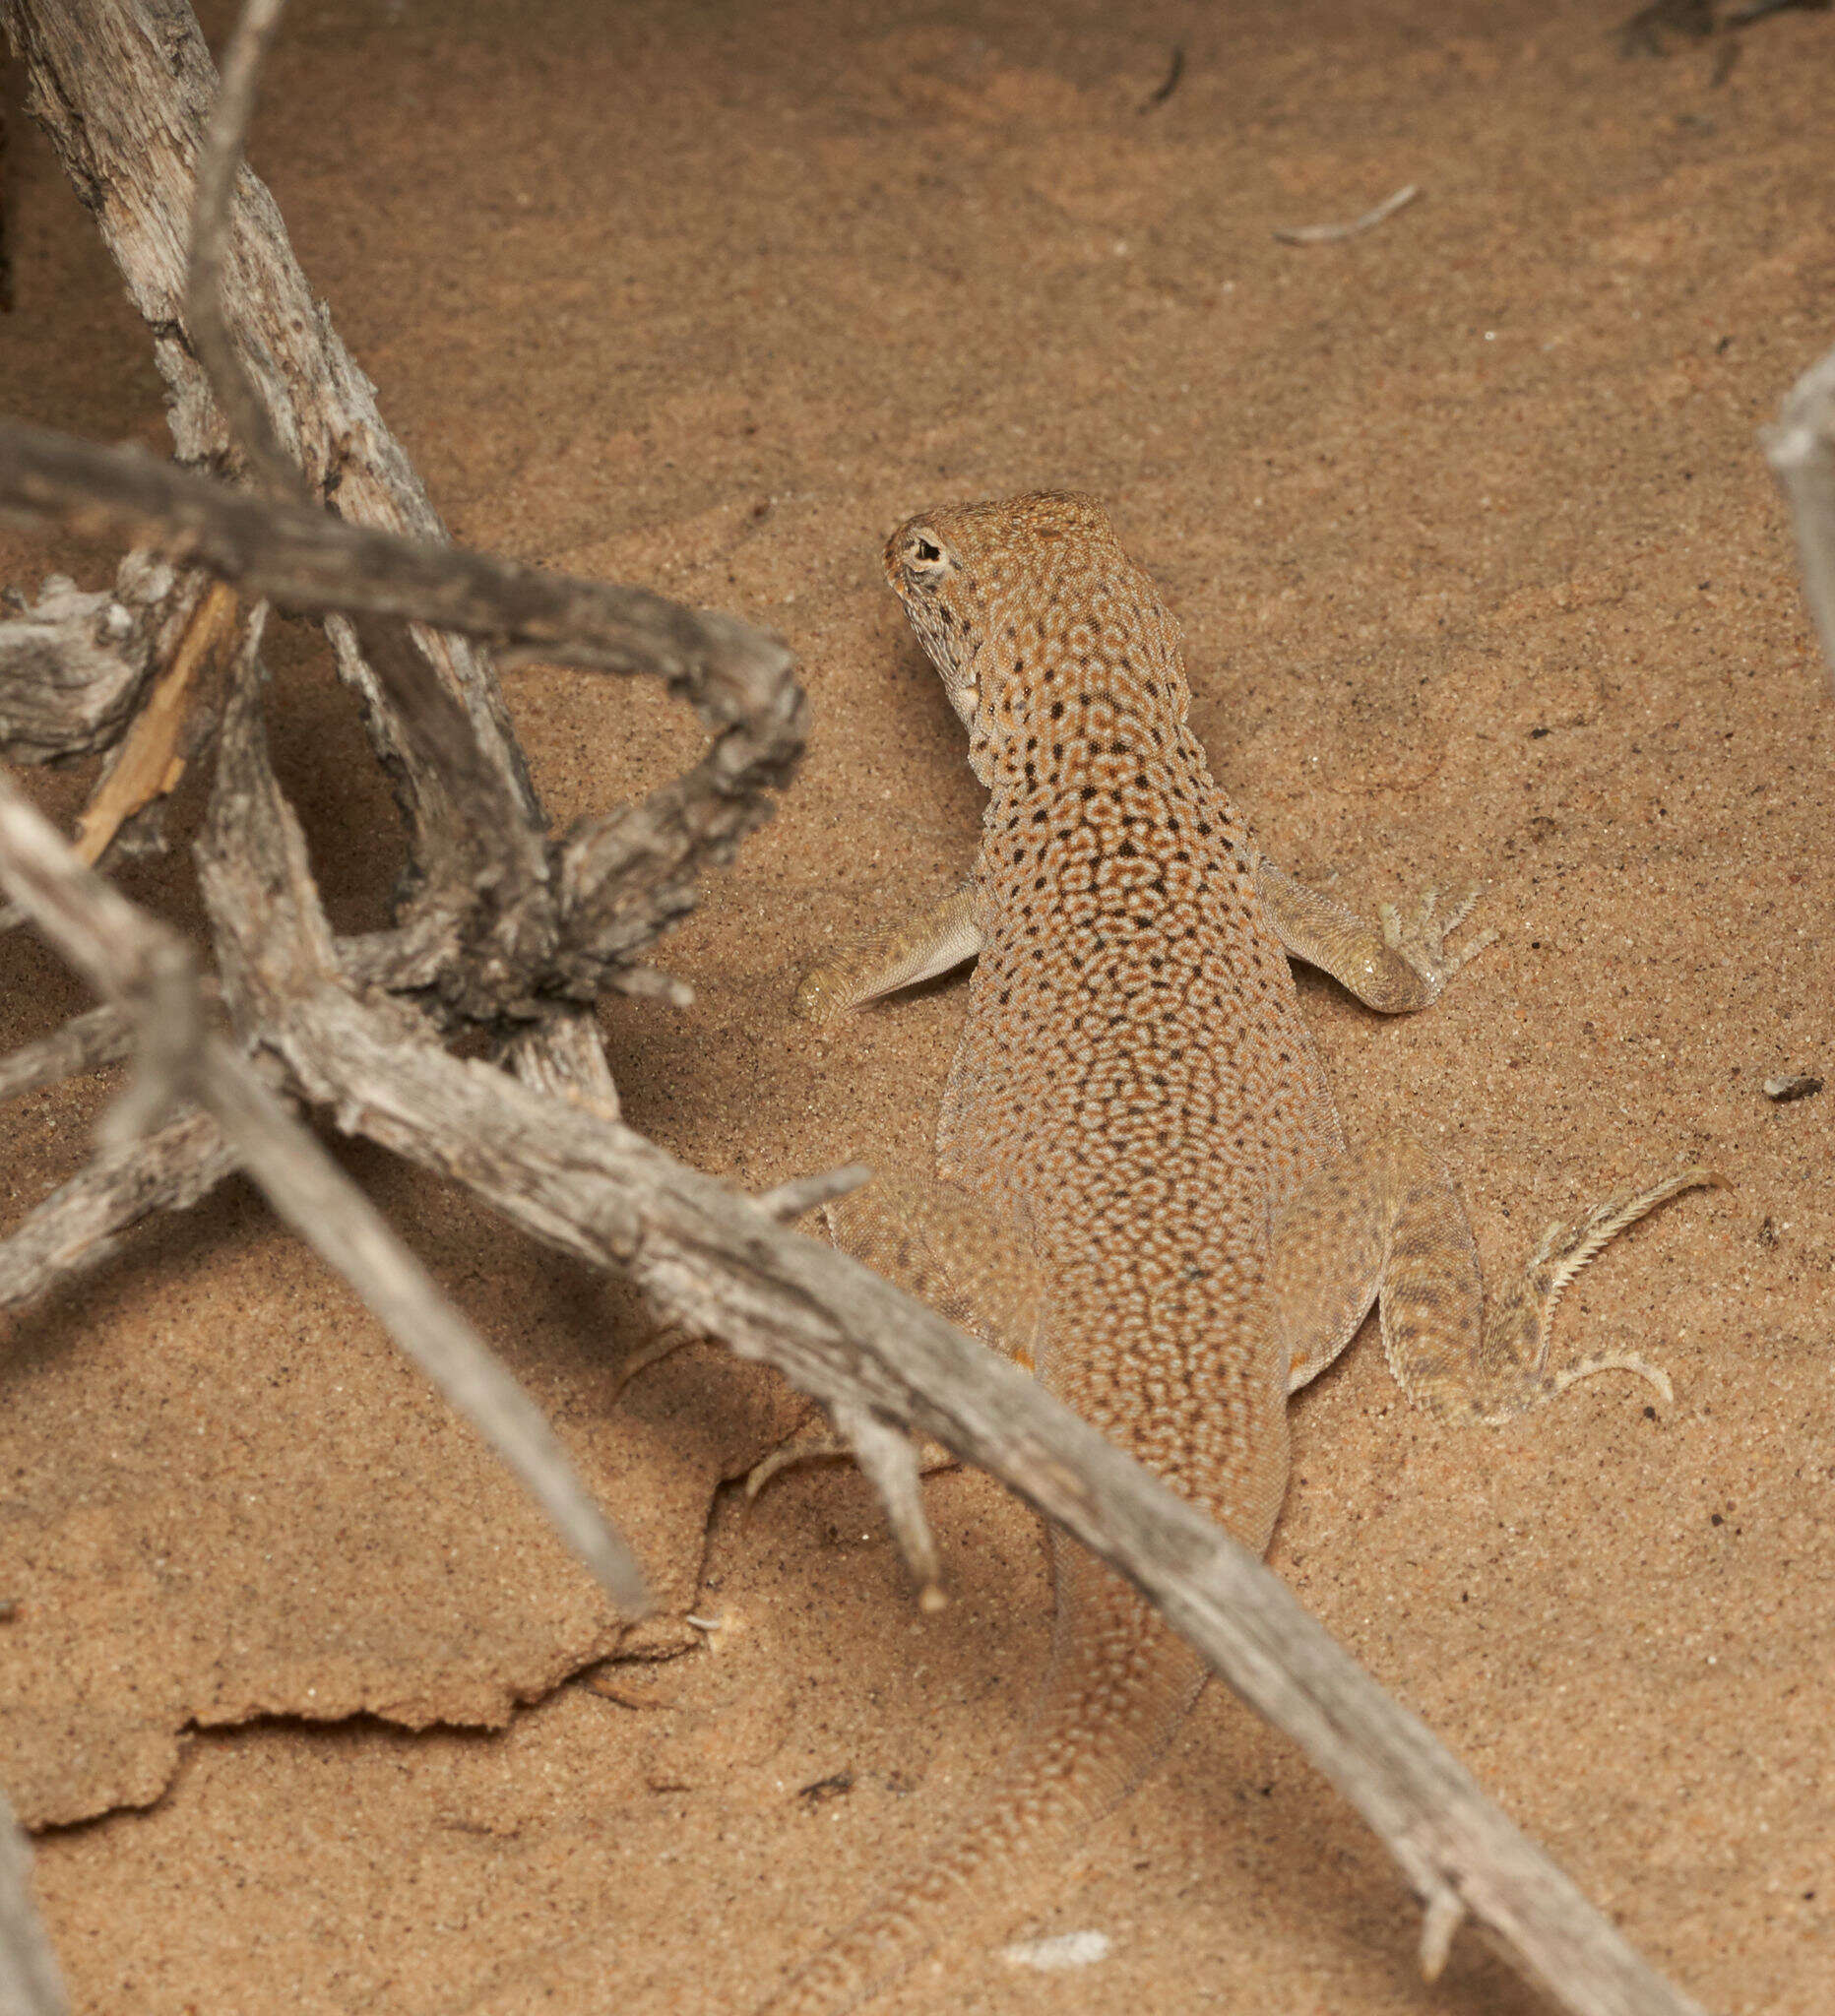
(954,1253)
(1390,1226)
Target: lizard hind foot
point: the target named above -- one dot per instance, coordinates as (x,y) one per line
(817,1440)
(1515,1373)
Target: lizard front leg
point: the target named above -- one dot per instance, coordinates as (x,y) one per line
(1388,1224)
(941,938)
(1394,964)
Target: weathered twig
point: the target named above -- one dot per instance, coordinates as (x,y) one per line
(81,1222)
(218,163)
(86,1043)
(309,560)
(73,666)
(1800,448)
(1333,234)
(160,740)
(887,1459)
(484,877)
(136,962)
(504,928)
(29,1984)
(123,672)
(788,1201)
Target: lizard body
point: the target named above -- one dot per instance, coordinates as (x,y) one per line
(1137,1140)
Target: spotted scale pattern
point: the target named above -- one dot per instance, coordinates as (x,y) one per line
(1134,1080)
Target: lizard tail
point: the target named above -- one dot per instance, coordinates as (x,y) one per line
(1120,1683)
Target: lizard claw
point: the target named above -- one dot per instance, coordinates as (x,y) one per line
(1421,941)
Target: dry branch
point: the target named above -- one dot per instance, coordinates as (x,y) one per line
(73,665)
(86,1043)
(504,925)
(616,881)
(81,1222)
(122,671)
(170,728)
(309,560)
(212,215)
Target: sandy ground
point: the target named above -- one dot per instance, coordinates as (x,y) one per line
(1483,578)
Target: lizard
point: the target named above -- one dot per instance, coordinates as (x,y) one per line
(1141,1187)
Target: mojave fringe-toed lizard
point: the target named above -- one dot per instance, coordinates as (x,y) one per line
(1142,1186)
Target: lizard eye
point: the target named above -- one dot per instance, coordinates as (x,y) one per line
(923,551)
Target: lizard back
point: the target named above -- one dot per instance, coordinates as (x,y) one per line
(1134,1088)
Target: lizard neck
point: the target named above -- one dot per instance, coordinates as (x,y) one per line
(1058,744)
(1083,688)
(1124,783)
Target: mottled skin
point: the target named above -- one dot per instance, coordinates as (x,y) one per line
(1136,1116)
(1134,1055)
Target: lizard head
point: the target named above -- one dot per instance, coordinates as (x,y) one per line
(1025,604)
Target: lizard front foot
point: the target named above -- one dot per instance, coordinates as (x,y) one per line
(1419,942)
